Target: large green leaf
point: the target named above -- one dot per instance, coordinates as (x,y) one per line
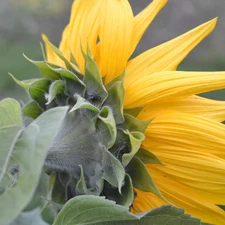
(84,210)
(29,218)
(23,153)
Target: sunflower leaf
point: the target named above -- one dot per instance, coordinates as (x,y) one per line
(23,152)
(28,218)
(95,210)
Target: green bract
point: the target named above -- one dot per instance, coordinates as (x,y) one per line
(96,149)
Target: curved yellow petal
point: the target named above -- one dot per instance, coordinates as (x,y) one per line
(167,56)
(145,201)
(185,197)
(194,105)
(64,45)
(198,170)
(171,85)
(116,26)
(50,54)
(185,130)
(144,19)
(83,28)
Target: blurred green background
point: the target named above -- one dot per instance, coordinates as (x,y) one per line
(23,21)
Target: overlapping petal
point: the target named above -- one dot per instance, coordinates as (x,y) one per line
(199,170)
(83,29)
(184,197)
(144,19)
(183,130)
(50,54)
(194,105)
(116,28)
(171,85)
(168,55)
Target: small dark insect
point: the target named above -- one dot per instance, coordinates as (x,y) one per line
(93,97)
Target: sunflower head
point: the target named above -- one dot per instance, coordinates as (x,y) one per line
(97,150)
(125,115)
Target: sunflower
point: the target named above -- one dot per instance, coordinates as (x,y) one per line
(186,133)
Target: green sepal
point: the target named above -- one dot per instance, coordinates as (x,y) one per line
(133,111)
(125,198)
(114,171)
(56,88)
(107,119)
(115,101)
(133,124)
(44,68)
(69,65)
(66,74)
(135,142)
(119,78)
(122,144)
(141,178)
(38,90)
(32,110)
(83,104)
(147,157)
(93,80)
(58,193)
(24,83)
(127,193)
(81,187)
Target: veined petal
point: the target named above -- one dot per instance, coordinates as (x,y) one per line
(64,45)
(194,105)
(167,56)
(185,197)
(83,28)
(116,26)
(198,170)
(50,54)
(171,85)
(185,130)
(146,201)
(144,19)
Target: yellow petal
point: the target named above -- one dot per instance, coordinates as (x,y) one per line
(146,201)
(167,56)
(185,197)
(171,85)
(64,45)
(144,19)
(83,28)
(198,170)
(194,105)
(116,23)
(50,54)
(185,130)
